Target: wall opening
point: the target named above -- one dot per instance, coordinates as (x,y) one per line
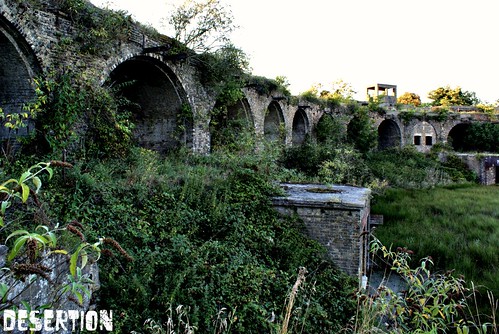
(273,127)
(160,112)
(389,135)
(18,67)
(300,127)
(417,140)
(428,140)
(457,137)
(229,123)
(497,174)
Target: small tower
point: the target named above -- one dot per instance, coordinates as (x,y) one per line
(385,94)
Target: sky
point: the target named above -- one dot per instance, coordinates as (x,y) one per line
(416,45)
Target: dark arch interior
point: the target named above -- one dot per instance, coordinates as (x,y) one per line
(388,135)
(300,127)
(228,122)
(457,138)
(18,65)
(162,118)
(272,123)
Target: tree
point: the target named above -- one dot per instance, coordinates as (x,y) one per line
(361,131)
(202,26)
(446,96)
(409,98)
(339,90)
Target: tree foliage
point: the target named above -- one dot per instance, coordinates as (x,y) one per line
(361,131)
(446,96)
(202,26)
(409,98)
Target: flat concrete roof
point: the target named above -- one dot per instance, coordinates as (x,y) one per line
(320,195)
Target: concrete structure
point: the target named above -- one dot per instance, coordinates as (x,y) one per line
(336,216)
(383,93)
(486,166)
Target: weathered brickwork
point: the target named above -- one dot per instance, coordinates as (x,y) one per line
(335,217)
(34,38)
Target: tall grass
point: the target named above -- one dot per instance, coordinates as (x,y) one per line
(457,226)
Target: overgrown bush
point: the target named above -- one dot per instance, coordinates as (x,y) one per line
(431,302)
(206,237)
(70,113)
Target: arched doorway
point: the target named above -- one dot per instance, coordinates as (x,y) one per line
(229,122)
(300,127)
(389,135)
(274,120)
(457,137)
(18,67)
(157,101)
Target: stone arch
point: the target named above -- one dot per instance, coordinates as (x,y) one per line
(18,66)
(300,127)
(389,134)
(274,120)
(456,137)
(162,116)
(424,136)
(228,121)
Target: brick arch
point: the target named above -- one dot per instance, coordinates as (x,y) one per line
(273,122)
(227,121)
(18,67)
(389,134)
(301,127)
(161,112)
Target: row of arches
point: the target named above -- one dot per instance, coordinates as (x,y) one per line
(163,116)
(423,135)
(162,110)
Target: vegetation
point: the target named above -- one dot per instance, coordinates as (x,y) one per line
(446,96)
(409,98)
(229,251)
(430,302)
(456,226)
(210,250)
(481,137)
(202,26)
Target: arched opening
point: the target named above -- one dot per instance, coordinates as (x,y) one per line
(457,137)
(157,102)
(18,67)
(274,119)
(389,135)
(300,127)
(229,122)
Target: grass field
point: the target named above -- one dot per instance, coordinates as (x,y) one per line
(457,226)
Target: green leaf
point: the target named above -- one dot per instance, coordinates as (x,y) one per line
(4,289)
(50,171)
(18,232)
(79,297)
(4,206)
(38,183)
(24,176)
(59,251)
(73,261)
(25,192)
(53,239)
(17,246)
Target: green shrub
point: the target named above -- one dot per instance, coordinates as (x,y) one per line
(205,236)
